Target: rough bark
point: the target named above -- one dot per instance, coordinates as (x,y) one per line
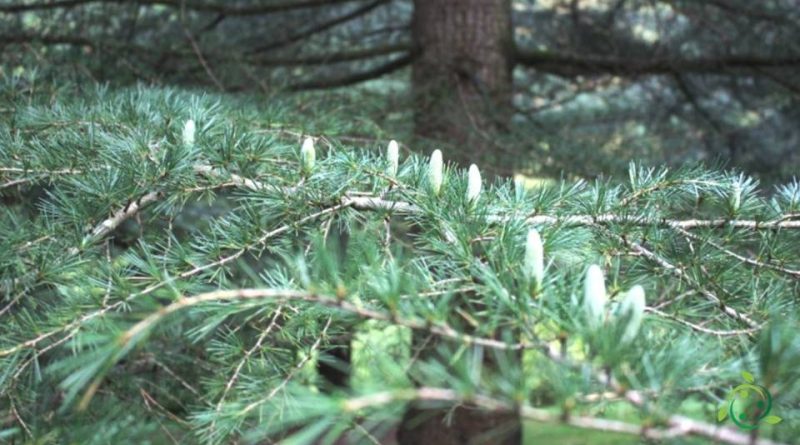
(461,80)
(461,76)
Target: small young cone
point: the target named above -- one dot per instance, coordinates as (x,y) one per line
(435,172)
(736,196)
(473,183)
(519,187)
(534,258)
(188,133)
(633,305)
(594,296)
(393,156)
(308,155)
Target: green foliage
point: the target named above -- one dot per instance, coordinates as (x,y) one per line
(158,291)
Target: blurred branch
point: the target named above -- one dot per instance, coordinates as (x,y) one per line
(46,39)
(320,27)
(197,50)
(354,78)
(718,126)
(785,83)
(208,56)
(219,8)
(543,61)
(332,57)
(744,10)
(679,426)
(690,96)
(577,65)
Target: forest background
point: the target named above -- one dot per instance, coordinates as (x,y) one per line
(151,154)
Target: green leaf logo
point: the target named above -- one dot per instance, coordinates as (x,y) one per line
(748,404)
(772,420)
(723,413)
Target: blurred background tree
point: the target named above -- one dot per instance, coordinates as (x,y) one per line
(546,87)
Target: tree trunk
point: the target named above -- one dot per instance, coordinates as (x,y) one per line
(461,77)
(461,81)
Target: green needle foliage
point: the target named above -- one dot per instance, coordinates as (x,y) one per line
(159,288)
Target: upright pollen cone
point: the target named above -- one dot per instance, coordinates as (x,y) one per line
(188,133)
(308,155)
(534,258)
(594,296)
(736,196)
(633,306)
(393,156)
(435,172)
(473,183)
(519,186)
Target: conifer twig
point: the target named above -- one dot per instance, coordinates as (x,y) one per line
(296,368)
(376,203)
(679,426)
(237,180)
(282,295)
(678,272)
(110,224)
(361,202)
(702,329)
(744,259)
(243,361)
(11,303)
(76,324)
(19,420)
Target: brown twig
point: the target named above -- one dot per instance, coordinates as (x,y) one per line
(76,324)
(196,48)
(678,272)
(376,203)
(294,370)
(243,361)
(750,261)
(679,426)
(699,328)
(110,224)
